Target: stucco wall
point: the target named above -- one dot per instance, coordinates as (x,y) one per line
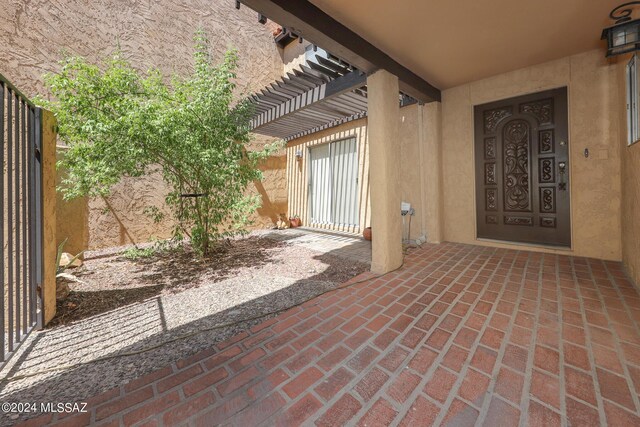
(150,33)
(293,55)
(272,190)
(120,218)
(593,124)
(630,182)
(411,140)
(72,217)
(631,210)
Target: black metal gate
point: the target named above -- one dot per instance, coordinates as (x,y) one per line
(21,218)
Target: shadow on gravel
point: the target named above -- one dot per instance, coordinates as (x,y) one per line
(169,271)
(82,382)
(80,305)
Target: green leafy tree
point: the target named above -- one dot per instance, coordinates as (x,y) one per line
(118,122)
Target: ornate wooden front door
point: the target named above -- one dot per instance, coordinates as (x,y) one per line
(522,169)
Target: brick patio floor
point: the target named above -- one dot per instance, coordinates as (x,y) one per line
(461,335)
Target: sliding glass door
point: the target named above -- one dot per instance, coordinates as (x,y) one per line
(333,183)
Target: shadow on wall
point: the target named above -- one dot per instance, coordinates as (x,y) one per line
(119,219)
(72,216)
(144,328)
(272,190)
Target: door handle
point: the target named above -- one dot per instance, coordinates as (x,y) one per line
(562,169)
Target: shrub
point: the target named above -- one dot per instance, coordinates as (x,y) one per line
(117,122)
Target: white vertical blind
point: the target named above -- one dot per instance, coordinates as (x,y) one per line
(320,184)
(334,183)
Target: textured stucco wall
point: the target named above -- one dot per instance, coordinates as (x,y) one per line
(593,123)
(151,33)
(119,218)
(293,55)
(431,161)
(72,217)
(631,209)
(630,182)
(411,137)
(272,190)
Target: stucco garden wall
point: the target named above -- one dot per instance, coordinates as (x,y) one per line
(150,34)
(593,124)
(72,217)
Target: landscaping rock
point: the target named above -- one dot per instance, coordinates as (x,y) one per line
(62,289)
(66,261)
(62,285)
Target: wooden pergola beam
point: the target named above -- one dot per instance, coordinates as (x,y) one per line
(323,92)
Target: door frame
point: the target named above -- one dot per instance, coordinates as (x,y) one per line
(509,243)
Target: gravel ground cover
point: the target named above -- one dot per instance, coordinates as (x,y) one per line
(171,308)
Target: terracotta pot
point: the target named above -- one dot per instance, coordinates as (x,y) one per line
(367,233)
(295,222)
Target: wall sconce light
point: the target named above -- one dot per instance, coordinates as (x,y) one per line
(298,155)
(624,35)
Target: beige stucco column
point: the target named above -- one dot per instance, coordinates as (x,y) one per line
(384,167)
(49,248)
(432,171)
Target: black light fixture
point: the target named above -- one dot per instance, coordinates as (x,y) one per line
(624,36)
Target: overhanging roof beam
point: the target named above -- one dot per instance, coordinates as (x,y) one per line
(309,21)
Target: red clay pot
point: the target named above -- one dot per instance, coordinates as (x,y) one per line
(367,233)
(295,222)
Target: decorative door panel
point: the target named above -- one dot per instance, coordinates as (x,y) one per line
(522,169)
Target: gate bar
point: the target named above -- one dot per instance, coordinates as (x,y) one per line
(2,342)
(39,220)
(30,218)
(10,213)
(16,203)
(25,192)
